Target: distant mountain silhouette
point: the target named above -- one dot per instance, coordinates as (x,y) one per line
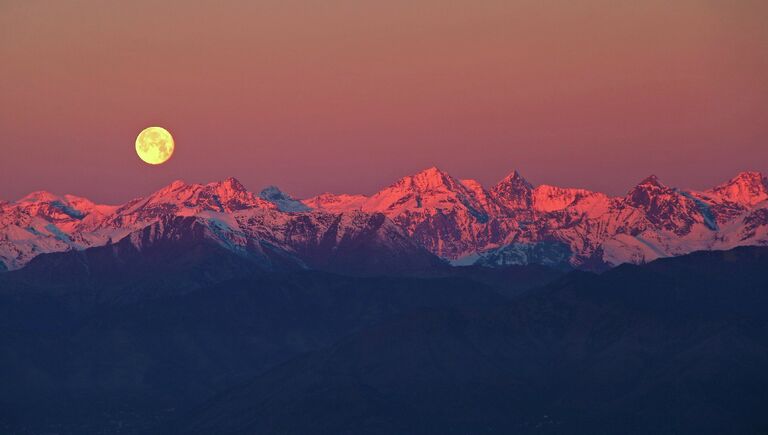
(676,346)
(122,335)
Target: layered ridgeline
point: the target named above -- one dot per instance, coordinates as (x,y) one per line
(412,224)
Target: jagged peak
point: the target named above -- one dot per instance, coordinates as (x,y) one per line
(273,192)
(649,187)
(475,188)
(230,183)
(228,188)
(651,180)
(85,204)
(176,184)
(432,170)
(514,192)
(39,196)
(51,206)
(472,184)
(514,181)
(651,190)
(427,179)
(75,198)
(753,178)
(226,195)
(431,188)
(70,204)
(749,187)
(551,189)
(749,174)
(175,187)
(282,200)
(433,174)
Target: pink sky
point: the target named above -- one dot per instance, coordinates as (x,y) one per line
(347,96)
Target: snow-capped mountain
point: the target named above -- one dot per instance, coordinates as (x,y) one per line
(282,200)
(449,217)
(182,199)
(514,192)
(513,222)
(42,222)
(546,198)
(747,188)
(222,212)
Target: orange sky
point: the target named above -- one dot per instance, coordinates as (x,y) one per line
(346,96)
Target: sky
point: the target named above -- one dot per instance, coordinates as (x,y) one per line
(348,96)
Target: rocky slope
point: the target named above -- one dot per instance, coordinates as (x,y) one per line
(513,222)
(225,213)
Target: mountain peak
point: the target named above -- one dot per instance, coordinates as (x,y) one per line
(427,180)
(749,178)
(749,188)
(515,174)
(447,216)
(227,189)
(176,184)
(186,199)
(228,185)
(664,206)
(650,186)
(651,180)
(431,177)
(233,183)
(55,208)
(38,196)
(514,191)
(432,170)
(431,189)
(172,189)
(517,180)
(472,184)
(282,200)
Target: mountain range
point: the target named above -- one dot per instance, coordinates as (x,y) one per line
(420,222)
(214,309)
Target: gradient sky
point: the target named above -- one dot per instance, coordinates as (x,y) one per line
(347,96)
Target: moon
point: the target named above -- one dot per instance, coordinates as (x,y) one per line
(154,145)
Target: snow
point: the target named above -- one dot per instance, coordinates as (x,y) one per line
(548,198)
(334,203)
(460,220)
(747,188)
(283,201)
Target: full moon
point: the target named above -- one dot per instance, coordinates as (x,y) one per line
(154,145)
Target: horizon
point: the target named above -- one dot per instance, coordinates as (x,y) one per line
(576,94)
(486,186)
